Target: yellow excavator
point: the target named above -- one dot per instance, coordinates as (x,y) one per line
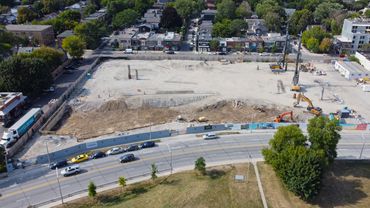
(317,111)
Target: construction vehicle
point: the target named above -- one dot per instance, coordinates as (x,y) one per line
(280,118)
(295,86)
(317,111)
(307,67)
(282,65)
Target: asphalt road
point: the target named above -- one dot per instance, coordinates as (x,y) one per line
(38,184)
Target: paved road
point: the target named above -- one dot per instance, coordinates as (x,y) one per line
(38,185)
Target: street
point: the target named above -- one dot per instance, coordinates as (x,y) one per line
(39,184)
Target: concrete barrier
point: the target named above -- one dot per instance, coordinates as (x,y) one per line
(88,146)
(206,128)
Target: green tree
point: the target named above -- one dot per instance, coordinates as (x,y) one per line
(325,45)
(91,189)
(325,9)
(313,45)
(324,135)
(74,45)
(222,29)
(185,8)
(238,27)
(367,13)
(200,165)
(225,10)
(3,168)
(299,21)
(214,45)
(125,18)
(354,59)
(25,14)
(51,5)
(51,56)
(91,32)
(27,75)
(266,6)
(244,10)
(154,171)
(122,182)
(170,19)
(273,21)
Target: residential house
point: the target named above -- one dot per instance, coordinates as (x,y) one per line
(234,44)
(125,37)
(26,49)
(204,36)
(273,42)
(172,41)
(152,17)
(155,42)
(8,18)
(138,41)
(63,35)
(42,34)
(208,15)
(145,28)
(355,33)
(253,43)
(99,15)
(256,27)
(210,4)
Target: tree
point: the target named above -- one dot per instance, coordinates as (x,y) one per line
(91,32)
(122,182)
(273,21)
(27,75)
(185,8)
(238,27)
(299,21)
(324,135)
(366,47)
(222,29)
(225,10)
(267,6)
(313,45)
(214,44)
(74,45)
(3,168)
(51,56)
(51,5)
(25,14)
(354,59)
(200,165)
(325,45)
(125,18)
(244,10)
(154,171)
(325,9)
(91,189)
(170,19)
(367,13)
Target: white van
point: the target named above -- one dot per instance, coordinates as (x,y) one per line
(210,136)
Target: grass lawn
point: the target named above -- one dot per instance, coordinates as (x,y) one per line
(186,189)
(347,184)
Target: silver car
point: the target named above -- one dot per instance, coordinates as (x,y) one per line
(74,169)
(115,150)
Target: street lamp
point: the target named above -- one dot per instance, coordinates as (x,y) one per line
(169,150)
(60,188)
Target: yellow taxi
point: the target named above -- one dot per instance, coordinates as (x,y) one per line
(80,158)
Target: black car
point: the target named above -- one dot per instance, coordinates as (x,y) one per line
(58,164)
(147,144)
(133,147)
(97,155)
(127,158)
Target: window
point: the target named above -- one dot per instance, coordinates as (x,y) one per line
(361,42)
(362,37)
(353,41)
(367,27)
(354,38)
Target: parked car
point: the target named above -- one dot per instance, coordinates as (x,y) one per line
(127,158)
(58,164)
(97,155)
(80,158)
(50,89)
(114,151)
(210,136)
(147,144)
(132,147)
(71,170)
(170,52)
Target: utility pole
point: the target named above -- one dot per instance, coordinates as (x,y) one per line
(60,188)
(129,72)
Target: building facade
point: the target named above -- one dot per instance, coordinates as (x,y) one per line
(355,33)
(42,34)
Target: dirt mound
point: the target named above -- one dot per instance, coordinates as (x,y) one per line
(113,105)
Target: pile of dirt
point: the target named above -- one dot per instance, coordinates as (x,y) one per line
(115,116)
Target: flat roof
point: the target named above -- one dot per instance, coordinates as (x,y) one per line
(27,27)
(353,67)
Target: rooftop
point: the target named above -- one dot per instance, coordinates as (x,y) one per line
(30,28)
(65,34)
(353,67)
(127,33)
(9,100)
(360,21)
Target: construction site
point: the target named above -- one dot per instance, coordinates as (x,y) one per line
(128,94)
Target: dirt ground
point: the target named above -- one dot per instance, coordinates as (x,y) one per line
(347,184)
(110,102)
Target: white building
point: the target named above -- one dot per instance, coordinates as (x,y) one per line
(351,70)
(355,33)
(364,59)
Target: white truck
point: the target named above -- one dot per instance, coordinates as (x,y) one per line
(20,127)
